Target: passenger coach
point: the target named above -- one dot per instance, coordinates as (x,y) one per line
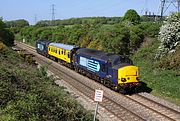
(62,53)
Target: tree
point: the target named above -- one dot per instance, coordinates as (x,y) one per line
(169,35)
(17,23)
(136,37)
(2,25)
(132,16)
(6,36)
(116,39)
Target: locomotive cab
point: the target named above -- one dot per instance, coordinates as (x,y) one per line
(42,47)
(127,73)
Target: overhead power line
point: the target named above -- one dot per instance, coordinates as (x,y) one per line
(165,4)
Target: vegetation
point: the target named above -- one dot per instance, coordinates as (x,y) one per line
(132,16)
(6,36)
(29,94)
(85,20)
(171,61)
(116,38)
(162,79)
(169,35)
(160,72)
(17,23)
(150,29)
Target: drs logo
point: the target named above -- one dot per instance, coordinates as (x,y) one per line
(41,47)
(91,65)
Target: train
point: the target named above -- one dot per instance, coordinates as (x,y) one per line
(113,71)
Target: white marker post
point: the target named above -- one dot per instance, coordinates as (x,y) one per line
(97,98)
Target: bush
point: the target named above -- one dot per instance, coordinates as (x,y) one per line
(136,37)
(2,46)
(150,29)
(169,35)
(170,61)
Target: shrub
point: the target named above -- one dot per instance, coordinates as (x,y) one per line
(170,61)
(136,37)
(169,35)
(150,29)
(2,46)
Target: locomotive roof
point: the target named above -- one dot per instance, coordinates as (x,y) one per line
(43,41)
(64,46)
(100,55)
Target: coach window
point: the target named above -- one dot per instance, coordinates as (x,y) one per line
(49,49)
(64,52)
(59,51)
(68,55)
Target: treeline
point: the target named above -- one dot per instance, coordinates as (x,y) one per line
(90,20)
(121,35)
(120,38)
(85,20)
(17,23)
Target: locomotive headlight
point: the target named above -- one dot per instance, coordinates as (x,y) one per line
(123,79)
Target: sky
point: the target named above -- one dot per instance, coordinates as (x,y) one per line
(64,9)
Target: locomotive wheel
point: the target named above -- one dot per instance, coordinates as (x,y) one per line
(114,87)
(102,81)
(122,90)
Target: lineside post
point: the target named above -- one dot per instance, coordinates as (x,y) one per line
(95,113)
(97,98)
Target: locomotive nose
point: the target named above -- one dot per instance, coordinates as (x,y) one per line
(128,74)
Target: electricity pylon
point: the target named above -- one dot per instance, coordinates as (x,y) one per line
(165,4)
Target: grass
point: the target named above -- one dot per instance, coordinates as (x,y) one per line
(164,83)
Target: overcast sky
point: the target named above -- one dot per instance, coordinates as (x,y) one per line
(64,9)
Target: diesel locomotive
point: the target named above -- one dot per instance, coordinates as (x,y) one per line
(114,71)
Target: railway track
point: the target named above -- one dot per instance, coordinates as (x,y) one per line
(156,107)
(123,107)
